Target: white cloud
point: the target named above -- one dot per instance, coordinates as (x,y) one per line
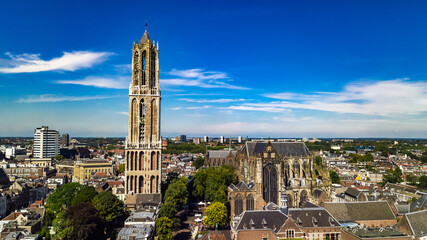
(200,78)
(261,109)
(69,61)
(123,113)
(382,98)
(201,107)
(102,82)
(58,98)
(221,100)
(176,108)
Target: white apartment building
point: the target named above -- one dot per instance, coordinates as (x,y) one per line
(46,143)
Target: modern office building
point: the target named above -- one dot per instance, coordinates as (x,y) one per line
(205,139)
(221,139)
(46,142)
(183,138)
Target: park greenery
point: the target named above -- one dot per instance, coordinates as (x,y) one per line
(355,158)
(178,148)
(80,212)
(215,215)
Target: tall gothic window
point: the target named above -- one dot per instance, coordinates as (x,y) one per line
(238,205)
(136,61)
(250,202)
(270,183)
(144,67)
(153,69)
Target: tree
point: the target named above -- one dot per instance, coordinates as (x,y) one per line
(199,162)
(422,182)
(318,160)
(215,215)
(110,147)
(121,168)
(59,157)
(81,222)
(177,193)
(411,179)
(168,209)
(110,209)
(164,227)
(392,176)
(84,194)
(335,178)
(61,198)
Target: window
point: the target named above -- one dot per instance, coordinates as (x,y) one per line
(290,233)
(264,238)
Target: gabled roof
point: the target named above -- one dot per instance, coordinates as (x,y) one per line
(282,148)
(313,217)
(352,192)
(354,211)
(242,185)
(418,222)
(274,220)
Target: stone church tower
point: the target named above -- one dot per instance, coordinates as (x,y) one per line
(143,145)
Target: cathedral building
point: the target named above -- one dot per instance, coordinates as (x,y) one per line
(272,172)
(143,144)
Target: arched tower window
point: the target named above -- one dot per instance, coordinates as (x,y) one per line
(144,67)
(141,184)
(136,61)
(250,202)
(238,205)
(134,122)
(141,161)
(270,183)
(153,160)
(153,69)
(152,184)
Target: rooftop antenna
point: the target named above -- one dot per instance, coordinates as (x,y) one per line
(146,25)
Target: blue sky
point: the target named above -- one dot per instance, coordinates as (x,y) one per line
(250,68)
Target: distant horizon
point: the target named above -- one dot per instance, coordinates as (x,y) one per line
(347,69)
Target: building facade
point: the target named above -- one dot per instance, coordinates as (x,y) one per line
(144,144)
(85,169)
(46,142)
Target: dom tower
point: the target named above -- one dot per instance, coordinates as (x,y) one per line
(143,145)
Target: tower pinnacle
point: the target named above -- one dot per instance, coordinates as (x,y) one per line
(146,25)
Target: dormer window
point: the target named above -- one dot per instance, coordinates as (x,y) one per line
(252,224)
(264,223)
(299,222)
(331,221)
(315,223)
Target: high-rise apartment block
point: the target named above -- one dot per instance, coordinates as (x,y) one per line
(205,139)
(221,139)
(183,138)
(46,142)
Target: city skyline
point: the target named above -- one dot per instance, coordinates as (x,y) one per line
(259,69)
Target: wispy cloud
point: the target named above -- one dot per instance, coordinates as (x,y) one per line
(69,61)
(176,108)
(102,82)
(199,107)
(200,78)
(382,98)
(57,98)
(221,100)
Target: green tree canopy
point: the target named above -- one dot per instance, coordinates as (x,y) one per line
(392,176)
(164,227)
(422,182)
(199,162)
(110,208)
(84,194)
(121,168)
(81,222)
(62,197)
(177,193)
(335,178)
(215,215)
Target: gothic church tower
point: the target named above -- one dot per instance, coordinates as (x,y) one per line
(144,145)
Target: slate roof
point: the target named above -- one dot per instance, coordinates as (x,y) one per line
(313,217)
(317,192)
(242,185)
(282,148)
(274,220)
(418,222)
(217,235)
(352,192)
(4,179)
(420,203)
(354,211)
(219,153)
